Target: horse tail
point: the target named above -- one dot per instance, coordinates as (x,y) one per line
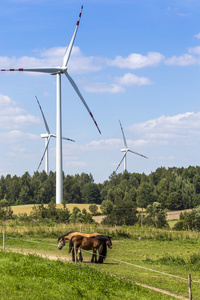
(71,244)
(102,252)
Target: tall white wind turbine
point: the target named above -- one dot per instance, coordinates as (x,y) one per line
(126,150)
(47,136)
(58,71)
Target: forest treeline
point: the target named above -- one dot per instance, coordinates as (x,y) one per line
(174,188)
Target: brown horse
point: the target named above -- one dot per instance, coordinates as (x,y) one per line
(91,243)
(63,239)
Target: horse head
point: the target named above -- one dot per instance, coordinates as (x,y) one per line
(109,243)
(61,242)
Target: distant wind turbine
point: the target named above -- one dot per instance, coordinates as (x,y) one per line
(47,136)
(58,71)
(126,150)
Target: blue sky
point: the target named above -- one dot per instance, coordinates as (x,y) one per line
(136,61)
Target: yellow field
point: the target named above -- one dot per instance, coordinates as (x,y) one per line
(27,208)
(174,215)
(171,215)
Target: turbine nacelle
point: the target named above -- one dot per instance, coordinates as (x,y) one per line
(124,150)
(44,135)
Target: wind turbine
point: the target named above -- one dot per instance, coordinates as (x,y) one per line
(126,150)
(47,136)
(58,71)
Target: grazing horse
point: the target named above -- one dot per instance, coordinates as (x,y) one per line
(91,243)
(66,237)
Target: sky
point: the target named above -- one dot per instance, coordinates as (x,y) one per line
(137,61)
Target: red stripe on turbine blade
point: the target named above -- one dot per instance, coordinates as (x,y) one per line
(91,115)
(82,7)
(11,70)
(2,69)
(77,23)
(21,69)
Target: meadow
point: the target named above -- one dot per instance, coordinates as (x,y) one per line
(146,256)
(32,277)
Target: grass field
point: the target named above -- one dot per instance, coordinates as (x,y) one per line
(32,277)
(132,259)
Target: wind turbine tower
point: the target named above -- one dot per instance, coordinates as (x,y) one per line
(58,71)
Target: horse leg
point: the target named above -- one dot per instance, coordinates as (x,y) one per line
(95,255)
(80,255)
(92,260)
(73,255)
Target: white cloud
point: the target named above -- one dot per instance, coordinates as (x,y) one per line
(137,61)
(119,83)
(194,50)
(14,136)
(182,128)
(53,57)
(130,80)
(12,116)
(183,60)
(197,35)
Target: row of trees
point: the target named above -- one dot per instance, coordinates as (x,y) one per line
(124,213)
(174,188)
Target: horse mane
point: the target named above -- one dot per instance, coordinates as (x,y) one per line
(102,238)
(63,236)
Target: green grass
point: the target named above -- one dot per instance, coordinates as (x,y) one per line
(178,258)
(32,277)
(169,252)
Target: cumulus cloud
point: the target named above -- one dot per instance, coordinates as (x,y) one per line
(14,117)
(16,135)
(183,60)
(131,79)
(181,128)
(197,35)
(138,61)
(127,80)
(53,57)
(194,50)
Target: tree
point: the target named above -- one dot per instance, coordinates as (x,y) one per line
(155,216)
(106,207)
(5,210)
(123,213)
(146,194)
(174,201)
(93,209)
(91,193)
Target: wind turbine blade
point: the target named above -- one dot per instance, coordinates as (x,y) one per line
(64,138)
(138,154)
(68,139)
(121,162)
(123,135)
(82,99)
(40,70)
(44,153)
(70,46)
(45,122)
